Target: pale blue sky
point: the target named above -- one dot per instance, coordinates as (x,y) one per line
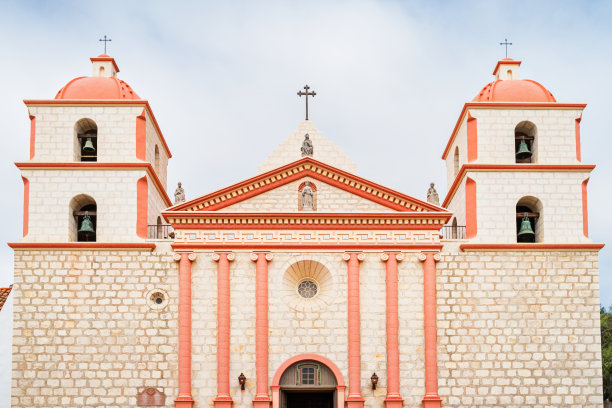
(390,76)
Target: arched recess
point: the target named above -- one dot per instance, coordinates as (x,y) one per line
(279,390)
(307,196)
(456,162)
(531,208)
(86,140)
(83,218)
(157,161)
(525,142)
(454,228)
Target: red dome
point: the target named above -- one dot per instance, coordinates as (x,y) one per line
(514,90)
(96,88)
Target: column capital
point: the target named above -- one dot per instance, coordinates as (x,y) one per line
(399,256)
(178,255)
(217,255)
(423,256)
(347,256)
(255,255)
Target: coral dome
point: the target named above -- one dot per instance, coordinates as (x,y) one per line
(514,90)
(96,88)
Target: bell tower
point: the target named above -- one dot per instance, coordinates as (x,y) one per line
(98,160)
(514,168)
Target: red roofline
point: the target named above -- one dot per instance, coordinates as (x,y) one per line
(506,105)
(92,102)
(106,58)
(508,61)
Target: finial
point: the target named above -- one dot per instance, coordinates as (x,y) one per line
(105,41)
(300,93)
(506,43)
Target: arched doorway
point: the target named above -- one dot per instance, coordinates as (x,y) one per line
(308,381)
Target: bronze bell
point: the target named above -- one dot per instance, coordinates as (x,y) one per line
(526,234)
(89,147)
(87,225)
(523,151)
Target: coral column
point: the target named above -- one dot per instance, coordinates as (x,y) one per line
(223,398)
(262,399)
(431,398)
(354,399)
(184,398)
(393,399)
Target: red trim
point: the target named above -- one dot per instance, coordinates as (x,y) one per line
(142,207)
(80,245)
(26,205)
(334,247)
(472,139)
(303,357)
(505,105)
(98,166)
(577,122)
(298,175)
(141,136)
(111,59)
(510,167)
(531,247)
(314,227)
(585,210)
(184,336)
(89,102)
(32,134)
(471,226)
(505,62)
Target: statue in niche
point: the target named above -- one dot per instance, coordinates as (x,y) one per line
(179,194)
(307,197)
(432,195)
(307,148)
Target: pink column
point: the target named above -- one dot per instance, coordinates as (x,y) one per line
(394,398)
(354,399)
(223,398)
(431,398)
(184,398)
(262,399)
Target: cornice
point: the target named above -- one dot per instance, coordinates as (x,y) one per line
(82,245)
(531,247)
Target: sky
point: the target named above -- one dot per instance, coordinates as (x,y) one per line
(391,78)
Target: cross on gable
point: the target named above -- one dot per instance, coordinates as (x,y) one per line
(506,43)
(300,93)
(105,41)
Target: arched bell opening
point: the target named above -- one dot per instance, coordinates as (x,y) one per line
(529,224)
(454,228)
(157,168)
(83,218)
(86,140)
(456,162)
(525,142)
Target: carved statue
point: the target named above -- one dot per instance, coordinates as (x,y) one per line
(432,195)
(307,198)
(179,194)
(307,148)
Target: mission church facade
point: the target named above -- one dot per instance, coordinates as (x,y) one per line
(305,286)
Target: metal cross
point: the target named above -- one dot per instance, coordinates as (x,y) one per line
(105,41)
(506,43)
(300,93)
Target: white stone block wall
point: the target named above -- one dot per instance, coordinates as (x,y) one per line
(55,132)
(324,150)
(328,199)
(156,203)
(519,329)
(559,192)
(84,334)
(153,139)
(52,190)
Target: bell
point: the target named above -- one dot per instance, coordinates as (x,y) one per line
(87,225)
(89,147)
(523,151)
(526,234)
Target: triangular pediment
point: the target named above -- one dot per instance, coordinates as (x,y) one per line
(277,191)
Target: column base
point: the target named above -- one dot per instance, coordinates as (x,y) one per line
(394,402)
(223,402)
(432,401)
(261,402)
(184,401)
(354,402)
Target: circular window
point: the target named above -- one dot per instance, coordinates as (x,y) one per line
(307,288)
(157,299)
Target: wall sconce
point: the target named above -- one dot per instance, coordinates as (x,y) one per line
(374,379)
(241,380)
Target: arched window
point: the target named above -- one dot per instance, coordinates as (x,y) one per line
(456,161)
(529,220)
(101,72)
(307,196)
(86,141)
(159,228)
(509,73)
(157,160)
(525,142)
(454,228)
(83,218)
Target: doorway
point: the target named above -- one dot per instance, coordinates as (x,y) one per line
(309,399)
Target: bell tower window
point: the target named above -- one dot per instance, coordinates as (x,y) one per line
(525,142)
(529,220)
(157,160)
(456,162)
(86,143)
(83,225)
